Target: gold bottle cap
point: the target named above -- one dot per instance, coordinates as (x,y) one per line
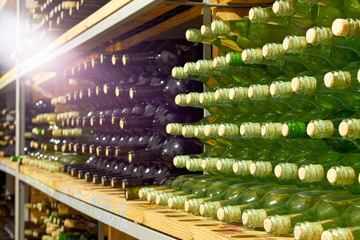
(340,27)
(193,35)
(320,129)
(252,55)
(295,44)
(261,168)
(250,130)
(319,35)
(238,94)
(308,231)
(277,224)
(311,173)
(273,51)
(254,218)
(337,80)
(304,84)
(286,171)
(341,175)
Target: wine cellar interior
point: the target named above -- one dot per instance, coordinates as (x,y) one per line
(180,119)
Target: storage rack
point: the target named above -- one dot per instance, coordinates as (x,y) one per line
(118,16)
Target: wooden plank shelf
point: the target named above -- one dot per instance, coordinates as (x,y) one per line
(6,165)
(175,223)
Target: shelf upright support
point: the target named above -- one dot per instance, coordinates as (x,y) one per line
(100,231)
(21,189)
(207,18)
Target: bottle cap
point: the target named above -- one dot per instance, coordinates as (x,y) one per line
(261,169)
(341,175)
(211,130)
(337,80)
(286,171)
(254,218)
(340,27)
(206,31)
(252,55)
(320,129)
(259,14)
(180,160)
(194,164)
(209,164)
(295,44)
(179,73)
(193,98)
(207,98)
(308,231)
(193,205)
(277,224)
(284,8)
(273,51)
(225,164)
(209,209)
(228,130)
(177,202)
(199,131)
(188,131)
(319,35)
(238,94)
(222,94)
(304,84)
(242,167)
(204,65)
(250,130)
(219,62)
(259,92)
(281,89)
(193,35)
(293,129)
(229,213)
(220,27)
(190,68)
(174,128)
(271,130)
(311,173)
(180,99)
(350,128)
(234,58)
(338,234)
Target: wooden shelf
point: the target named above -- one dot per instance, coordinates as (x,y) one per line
(175,223)
(6,165)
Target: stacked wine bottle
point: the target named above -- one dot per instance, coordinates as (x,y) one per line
(283,117)
(112,131)
(55,220)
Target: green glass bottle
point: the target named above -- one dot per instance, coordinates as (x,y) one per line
(300,202)
(335,56)
(273,198)
(276,52)
(235,196)
(311,230)
(323,36)
(217,192)
(325,208)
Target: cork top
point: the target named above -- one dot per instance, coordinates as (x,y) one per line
(319,35)
(277,224)
(207,32)
(180,99)
(229,213)
(250,129)
(242,167)
(259,92)
(337,80)
(174,128)
(259,14)
(311,173)
(211,130)
(304,84)
(180,160)
(271,130)
(341,175)
(193,35)
(254,218)
(350,128)
(228,130)
(207,98)
(222,94)
(340,27)
(273,51)
(261,169)
(193,98)
(338,234)
(190,68)
(295,44)
(308,230)
(204,65)
(286,171)
(252,55)
(320,129)
(188,130)
(281,89)
(179,73)
(220,27)
(219,62)
(284,7)
(238,94)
